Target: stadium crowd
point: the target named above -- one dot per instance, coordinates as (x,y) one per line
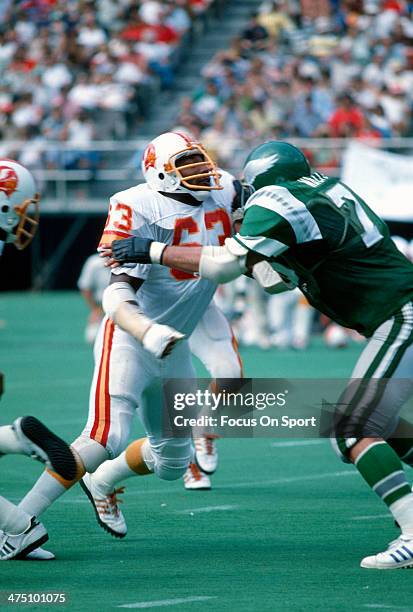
(80,70)
(347,73)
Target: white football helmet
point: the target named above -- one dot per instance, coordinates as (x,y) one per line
(19,203)
(162,174)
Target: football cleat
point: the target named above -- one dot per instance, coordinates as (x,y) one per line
(108,515)
(19,546)
(398,555)
(195,479)
(40,554)
(42,444)
(206,454)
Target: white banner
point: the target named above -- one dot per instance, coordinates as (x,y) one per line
(384,180)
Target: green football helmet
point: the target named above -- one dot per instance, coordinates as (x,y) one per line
(275,162)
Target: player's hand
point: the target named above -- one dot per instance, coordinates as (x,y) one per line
(270,280)
(160,340)
(105,251)
(132,250)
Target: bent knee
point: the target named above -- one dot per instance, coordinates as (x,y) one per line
(172,459)
(170,471)
(91,453)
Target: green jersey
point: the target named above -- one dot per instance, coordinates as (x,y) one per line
(318,232)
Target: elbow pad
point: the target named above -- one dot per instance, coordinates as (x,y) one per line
(222,264)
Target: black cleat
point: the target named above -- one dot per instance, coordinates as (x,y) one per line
(47,447)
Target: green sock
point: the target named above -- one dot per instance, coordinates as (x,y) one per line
(381,468)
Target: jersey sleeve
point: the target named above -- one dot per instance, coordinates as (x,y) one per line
(274,221)
(126,219)
(123,221)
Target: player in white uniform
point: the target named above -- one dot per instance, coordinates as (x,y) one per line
(150,310)
(19,212)
(212,341)
(173,298)
(93,280)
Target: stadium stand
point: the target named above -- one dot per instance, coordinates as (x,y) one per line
(81,71)
(344,71)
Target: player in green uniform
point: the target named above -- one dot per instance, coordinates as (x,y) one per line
(308,230)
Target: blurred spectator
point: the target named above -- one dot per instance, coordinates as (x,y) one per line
(93,280)
(255,35)
(218,141)
(206,103)
(275,19)
(347,119)
(337,69)
(305,119)
(380,122)
(104,57)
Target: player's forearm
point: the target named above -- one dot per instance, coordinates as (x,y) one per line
(219,264)
(214,263)
(120,305)
(182,258)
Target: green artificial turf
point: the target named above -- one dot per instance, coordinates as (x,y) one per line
(284,527)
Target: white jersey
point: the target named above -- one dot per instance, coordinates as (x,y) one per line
(169,296)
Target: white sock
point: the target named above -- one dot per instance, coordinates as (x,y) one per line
(12,519)
(402,510)
(45,491)
(9,442)
(110,473)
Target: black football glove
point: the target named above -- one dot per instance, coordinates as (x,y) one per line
(132,250)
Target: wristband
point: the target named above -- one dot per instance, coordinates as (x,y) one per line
(155,252)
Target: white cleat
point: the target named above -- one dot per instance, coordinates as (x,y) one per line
(40,554)
(398,555)
(206,454)
(108,515)
(19,546)
(195,480)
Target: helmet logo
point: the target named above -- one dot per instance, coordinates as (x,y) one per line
(8,180)
(255,167)
(149,159)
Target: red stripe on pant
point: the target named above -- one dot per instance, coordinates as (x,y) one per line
(101,425)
